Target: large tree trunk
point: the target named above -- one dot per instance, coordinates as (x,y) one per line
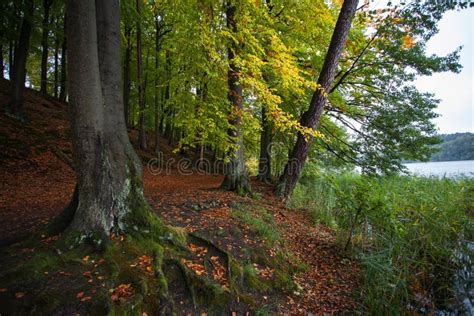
(264,162)
(62,93)
(311,117)
(235,173)
(19,64)
(44,45)
(126,76)
(107,168)
(141,88)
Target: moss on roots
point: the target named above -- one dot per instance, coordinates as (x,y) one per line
(116,258)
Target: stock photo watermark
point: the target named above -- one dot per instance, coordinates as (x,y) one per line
(204,166)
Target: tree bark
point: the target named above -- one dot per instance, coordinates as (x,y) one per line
(2,65)
(62,92)
(11,46)
(168,110)
(15,107)
(56,67)
(157,122)
(311,117)
(126,77)
(235,173)
(141,89)
(264,162)
(204,100)
(44,45)
(108,170)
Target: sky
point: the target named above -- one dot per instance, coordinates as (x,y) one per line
(456,91)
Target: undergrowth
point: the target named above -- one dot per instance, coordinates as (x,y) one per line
(259,221)
(407,232)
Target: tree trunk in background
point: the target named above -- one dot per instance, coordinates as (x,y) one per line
(141,89)
(10,59)
(108,171)
(62,93)
(170,128)
(169,112)
(202,93)
(2,65)
(56,67)
(157,123)
(264,162)
(15,107)
(126,76)
(311,117)
(235,173)
(44,46)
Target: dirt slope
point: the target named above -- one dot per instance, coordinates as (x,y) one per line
(37,182)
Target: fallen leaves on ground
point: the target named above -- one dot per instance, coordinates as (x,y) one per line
(219,272)
(199,269)
(122,292)
(145,263)
(199,251)
(264,272)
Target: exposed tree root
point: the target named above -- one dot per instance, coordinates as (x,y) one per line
(221,252)
(63,157)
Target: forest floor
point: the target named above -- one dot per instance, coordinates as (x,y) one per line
(37,183)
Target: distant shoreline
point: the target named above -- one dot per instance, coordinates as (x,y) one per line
(431,161)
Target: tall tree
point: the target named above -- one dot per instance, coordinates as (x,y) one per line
(18,73)
(157,48)
(311,117)
(2,65)
(141,86)
(236,177)
(62,85)
(264,161)
(56,64)
(109,186)
(44,46)
(11,46)
(396,123)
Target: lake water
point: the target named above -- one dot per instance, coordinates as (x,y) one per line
(450,169)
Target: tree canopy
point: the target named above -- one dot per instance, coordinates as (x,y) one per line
(374,117)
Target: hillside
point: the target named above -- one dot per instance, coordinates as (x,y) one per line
(458,146)
(287,264)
